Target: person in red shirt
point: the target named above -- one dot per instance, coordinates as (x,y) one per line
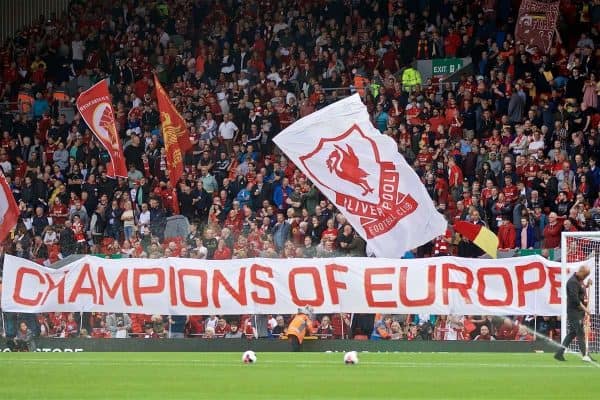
(441,187)
(57,321)
(222,327)
(424,157)
(78,232)
(195,325)
(222,252)
(389,60)
(530,170)
(436,120)
(511,192)
(71,327)
(552,232)
(330,232)
(248,328)
(508,330)
(452,42)
(568,226)
(234,221)
(455,177)
(441,245)
(487,191)
(58,212)
(467,198)
(506,233)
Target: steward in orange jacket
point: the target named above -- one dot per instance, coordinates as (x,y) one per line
(300,326)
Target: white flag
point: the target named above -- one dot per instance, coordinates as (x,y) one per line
(362,173)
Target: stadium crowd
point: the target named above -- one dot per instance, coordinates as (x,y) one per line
(513,144)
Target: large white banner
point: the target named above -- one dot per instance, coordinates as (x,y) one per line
(361,171)
(177,286)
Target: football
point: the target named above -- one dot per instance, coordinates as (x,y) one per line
(351,357)
(249,357)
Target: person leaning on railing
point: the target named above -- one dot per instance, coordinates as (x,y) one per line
(23,340)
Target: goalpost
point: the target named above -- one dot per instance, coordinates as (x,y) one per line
(581,246)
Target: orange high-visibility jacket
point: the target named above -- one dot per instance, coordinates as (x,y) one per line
(300,326)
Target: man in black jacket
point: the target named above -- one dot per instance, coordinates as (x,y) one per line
(67,240)
(576,310)
(201,201)
(158,219)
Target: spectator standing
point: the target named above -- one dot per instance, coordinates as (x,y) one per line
(128,221)
(526,238)
(97,225)
(228,131)
(281,231)
(552,232)
(77,52)
(506,233)
(116,322)
(158,219)
(177,325)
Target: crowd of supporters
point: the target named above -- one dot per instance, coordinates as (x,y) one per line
(335,326)
(513,145)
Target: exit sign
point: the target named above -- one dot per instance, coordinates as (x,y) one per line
(445,66)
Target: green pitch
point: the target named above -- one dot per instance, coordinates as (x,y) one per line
(295,376)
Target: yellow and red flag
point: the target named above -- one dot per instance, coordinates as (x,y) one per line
(485,239)
(171,119)
(175,133)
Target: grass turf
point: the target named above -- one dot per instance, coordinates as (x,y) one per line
(295,376)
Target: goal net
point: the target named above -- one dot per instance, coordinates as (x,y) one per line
(575,247)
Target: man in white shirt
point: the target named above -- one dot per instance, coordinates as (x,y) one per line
(77,49)
(536,142)
(144,220)
(210,125)
(243,81)
(5,163)
(227,131)
(163,38)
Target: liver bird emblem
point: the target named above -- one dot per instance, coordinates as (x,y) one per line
(346,166)
(170,131)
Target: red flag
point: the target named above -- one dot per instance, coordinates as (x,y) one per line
(536,23)
(175,134)
(171,119)
(176,210)
(9,211)
(95,106)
